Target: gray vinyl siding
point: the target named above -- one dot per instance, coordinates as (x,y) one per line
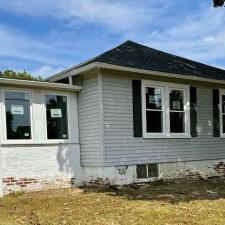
(121,148)
(89,121)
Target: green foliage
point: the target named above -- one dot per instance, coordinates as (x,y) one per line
(10,74)
(218,3)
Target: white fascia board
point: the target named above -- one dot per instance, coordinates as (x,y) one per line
(39,84)
(97,65)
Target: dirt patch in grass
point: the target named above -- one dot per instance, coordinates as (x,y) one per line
(198,202)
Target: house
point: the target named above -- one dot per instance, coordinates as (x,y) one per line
(132,114)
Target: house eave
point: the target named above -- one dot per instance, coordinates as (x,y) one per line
(39,84)
(97,65)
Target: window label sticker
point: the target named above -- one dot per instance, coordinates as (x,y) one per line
(26,134)
(27,96)
(64,98)
(152,99)
(17,109)
(56,113)
(176,105)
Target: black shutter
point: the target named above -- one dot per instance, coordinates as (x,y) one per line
(216,113)
(137,112)
(193,111)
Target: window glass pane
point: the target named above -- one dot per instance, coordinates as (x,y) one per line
(153,98)
(177,122)
(223,103)
(153,170)
(56,111)
(18,121)
(141,171)
(154,121)
(176,100)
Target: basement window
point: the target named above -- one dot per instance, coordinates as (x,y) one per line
(145,171)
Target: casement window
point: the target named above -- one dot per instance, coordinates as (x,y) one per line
(56,114)
(165,110)
(18,116)
(145,171)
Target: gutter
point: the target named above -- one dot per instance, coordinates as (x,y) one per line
(39,84)
(99,65)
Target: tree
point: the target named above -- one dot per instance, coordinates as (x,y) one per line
(19,75)
(218,3)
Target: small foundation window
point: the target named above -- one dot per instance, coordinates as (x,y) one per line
(147,171)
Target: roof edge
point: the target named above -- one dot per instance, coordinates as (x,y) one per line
(39,84)
(96,65)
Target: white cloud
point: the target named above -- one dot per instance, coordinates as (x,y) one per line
(46,70)
(16,44)
(196,33)
(200,36)
(116,15)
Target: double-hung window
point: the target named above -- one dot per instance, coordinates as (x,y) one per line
(165,110)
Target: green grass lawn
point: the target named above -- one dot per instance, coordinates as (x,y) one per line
(200,202)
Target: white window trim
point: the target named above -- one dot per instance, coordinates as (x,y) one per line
(222,92)
(43,140)
(68,116)
(4,134)
(166,111)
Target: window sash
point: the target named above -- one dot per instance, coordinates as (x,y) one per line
(30,138)
(177,111)
(222,132)
(166,88)
(48,111)
(154,110)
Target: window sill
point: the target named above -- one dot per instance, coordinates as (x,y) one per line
(164,136)
(144,180)
(7,143)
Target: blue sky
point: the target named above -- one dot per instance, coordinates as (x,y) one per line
(46,36)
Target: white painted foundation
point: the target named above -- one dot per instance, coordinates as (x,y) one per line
(29,168)
(40,167)
(175,170)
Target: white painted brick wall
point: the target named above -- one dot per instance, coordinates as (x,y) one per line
(192,169)
(49,165)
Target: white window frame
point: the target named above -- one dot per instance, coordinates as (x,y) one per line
(68,116)
(222,92)
(4,134)
(166,87)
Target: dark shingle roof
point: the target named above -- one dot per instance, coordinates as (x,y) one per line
(131,54)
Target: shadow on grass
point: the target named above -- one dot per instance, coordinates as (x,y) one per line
(168,191)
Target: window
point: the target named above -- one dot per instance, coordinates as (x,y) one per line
(154,110)
(177,113)
(145,171)
(17,109)
(56,113)
(165,110)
